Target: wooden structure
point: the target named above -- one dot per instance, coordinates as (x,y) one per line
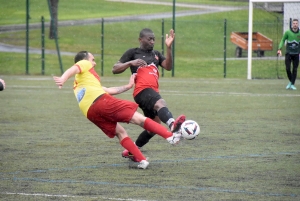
(260,43)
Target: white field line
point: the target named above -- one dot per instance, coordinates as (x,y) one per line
(166,92)
(123,80)
(70,196)
(193,93)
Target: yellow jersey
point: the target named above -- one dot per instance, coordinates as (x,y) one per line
(87,86)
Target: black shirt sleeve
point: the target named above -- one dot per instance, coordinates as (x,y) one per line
(148,56)
(127,56)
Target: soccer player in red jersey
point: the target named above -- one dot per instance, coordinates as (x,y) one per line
(145,61)
(105,111)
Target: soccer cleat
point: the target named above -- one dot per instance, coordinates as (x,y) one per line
(143,164)
(293,87)
(177,123)
(289,85)
(127,154)
(175,138)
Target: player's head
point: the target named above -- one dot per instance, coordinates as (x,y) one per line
(295,24)
(85,55)
(147,39)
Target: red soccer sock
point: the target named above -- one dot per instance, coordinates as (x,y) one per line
(157,128)
(128,144)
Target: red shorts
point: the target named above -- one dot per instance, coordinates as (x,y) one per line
(108,110)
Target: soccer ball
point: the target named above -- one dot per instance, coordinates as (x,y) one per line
(190,129)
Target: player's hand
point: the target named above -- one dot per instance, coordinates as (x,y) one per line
(138,62)
(132,80)
(58,81)
(279,53)
(170,38)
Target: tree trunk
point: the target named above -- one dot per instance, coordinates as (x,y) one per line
(53,23)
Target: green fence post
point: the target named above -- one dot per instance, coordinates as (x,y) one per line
(277,47)
(43,45)
(225,27)
(27,37)
(173,49)
(162,42)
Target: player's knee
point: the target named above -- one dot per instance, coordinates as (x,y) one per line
(160,104)
(138,119)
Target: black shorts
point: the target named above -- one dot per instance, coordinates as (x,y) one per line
(146,100)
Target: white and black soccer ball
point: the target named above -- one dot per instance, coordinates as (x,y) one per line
(190,129)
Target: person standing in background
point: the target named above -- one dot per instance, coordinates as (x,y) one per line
(292,37)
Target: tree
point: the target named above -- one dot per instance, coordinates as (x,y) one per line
(53,7)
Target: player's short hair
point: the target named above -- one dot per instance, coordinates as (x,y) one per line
(145,31)
(295,20)
(81,56)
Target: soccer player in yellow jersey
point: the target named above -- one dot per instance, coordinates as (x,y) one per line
(105,111)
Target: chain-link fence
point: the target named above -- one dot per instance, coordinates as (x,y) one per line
(202,46)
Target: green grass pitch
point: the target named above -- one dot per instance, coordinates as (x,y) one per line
(248,148)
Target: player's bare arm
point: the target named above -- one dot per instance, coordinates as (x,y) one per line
(67,74)
(121,89)
(121,67)
(167,64)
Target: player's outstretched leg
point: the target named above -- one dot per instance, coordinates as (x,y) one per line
(154,127)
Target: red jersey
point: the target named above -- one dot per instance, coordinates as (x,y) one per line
(147,77)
